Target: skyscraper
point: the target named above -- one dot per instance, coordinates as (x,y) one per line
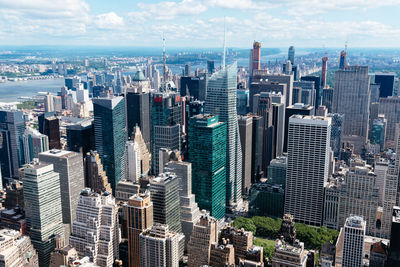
(160,247)
(353,241)
(70,167)
(43,211)
(80,136)
(317,85)
(205,232)
(390,107)
(221,101)
(12,127)
(394,249)
(95,232)
(143,151)
(255,58)
(95,177)
(307,167)
(291,53)
(50,126)
(110,136)
(34,143)
(256,148)
(133,170)
(324,71)
(207,152)
(166,120)
(210,66)
(166,203)
(351,98)
(386,82)
(343,59)
(246,134)
(336,132)
(139,211)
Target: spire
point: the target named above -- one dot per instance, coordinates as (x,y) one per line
(164,67)
(223,55)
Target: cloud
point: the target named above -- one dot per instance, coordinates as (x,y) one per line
(109,21)
(168,10)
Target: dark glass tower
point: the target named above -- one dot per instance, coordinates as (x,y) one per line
(317,83)
(207,152)
(80,137)
(386,82)
(49,125)
(110,136)
(12,127)
(138,113)
(190,85)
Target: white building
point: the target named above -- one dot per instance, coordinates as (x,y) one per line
(353,242)
(160,247)
(133,168)
(95,232)
(307,168)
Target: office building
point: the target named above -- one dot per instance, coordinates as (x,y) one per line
(49,125)
(336,132)
(80,136)
(324,71)
(291,52)
(266,199)
(190,212)
(16,249)
(161,247)
(246,134)
(205,232)
(70,167)
(353,241)
(34,143)
(221,101)
(256,148)
(222,255)
(277,171)
(95,232)
(378,132)
(110,136)
(43,210)
(386,83)
(242,101)
(308,145)
(317,85)
(144,154)
(126,189)
(133,168)
(12,127)
(210,66)
(297,109)
(139,212)
(166,202)
(207,152)
(394,248)
(190,86)
(331,204)
(287,255)
(343,59)
(359,195)
(166,119)
(62,255)
(390,107)
(95,176)
(327,98)
(307,92)
(351,98)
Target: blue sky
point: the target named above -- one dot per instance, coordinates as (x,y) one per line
(199,23)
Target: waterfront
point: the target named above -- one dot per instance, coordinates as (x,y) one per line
(11,91)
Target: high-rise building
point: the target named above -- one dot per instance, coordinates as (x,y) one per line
(256,147)
(307,92)
(187,70)
(255,58)
(143,151)
(277,171)
(353,241)
(50,126)
(110,136)
(138,107)
(139,212)
(72,180)
(327,98)
(359,195)
(386,82)
(95,177)
(133,168)
(166,202)
(190,86)
(246,134)
(210,66)
(266,199)
(95,232)
(12,127)
(62,255)
(242,101)
(317,85)
(308,145)
(287,255)
(43,211)
(34,143)
(291,52)
(390,107)
(394,249)
(190,212)
(222,254)
(161,247)
(343,59)
(166,120)
(80,136)
(378,131)
(221,101)
(205,232)
(207,152)
(297,109)
(351,98)
(324,71)
(336,132)
(16,249)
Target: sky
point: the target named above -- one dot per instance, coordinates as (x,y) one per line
(200,23)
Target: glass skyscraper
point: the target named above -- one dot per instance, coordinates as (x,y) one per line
(110,136)
(221,101)
(207,152)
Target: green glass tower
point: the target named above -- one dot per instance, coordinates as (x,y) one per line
(207,152)
(110,136)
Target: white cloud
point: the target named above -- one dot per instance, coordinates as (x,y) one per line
(109,21)
(168,10)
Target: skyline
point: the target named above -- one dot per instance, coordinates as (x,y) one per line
(199,23)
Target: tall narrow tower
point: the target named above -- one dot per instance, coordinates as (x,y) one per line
(324,71)
(221,101)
